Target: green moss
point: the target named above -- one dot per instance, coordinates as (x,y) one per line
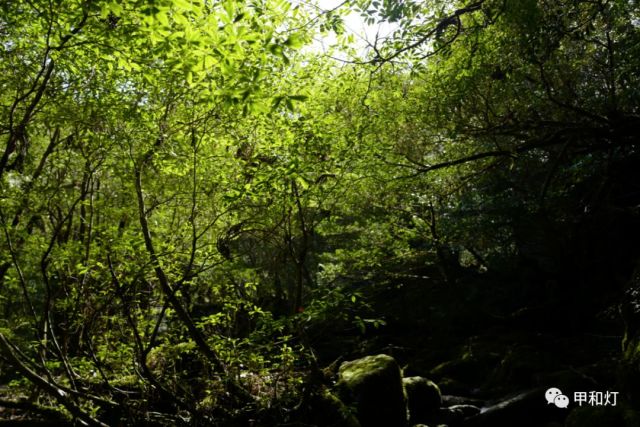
(373,385)
(353,373)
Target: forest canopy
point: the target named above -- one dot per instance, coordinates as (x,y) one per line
(200,210)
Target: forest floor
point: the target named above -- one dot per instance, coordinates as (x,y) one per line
(479,341)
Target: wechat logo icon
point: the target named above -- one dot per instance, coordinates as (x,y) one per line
(555,396)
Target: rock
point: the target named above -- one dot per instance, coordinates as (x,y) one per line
(325,409)
(450,416)
(518,367)
(373,385)
(450,386)
(471,366)
(449,400)
(524,409)
(424,398)
(466,410)
(454,415)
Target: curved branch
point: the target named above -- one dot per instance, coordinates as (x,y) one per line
(51,388)
(453,19)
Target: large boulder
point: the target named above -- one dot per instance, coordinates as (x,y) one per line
(373,385)
(424,398)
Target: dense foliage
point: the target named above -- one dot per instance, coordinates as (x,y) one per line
(192,204)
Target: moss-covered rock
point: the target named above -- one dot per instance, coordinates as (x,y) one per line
(325,409)
(424,398)
(373,385)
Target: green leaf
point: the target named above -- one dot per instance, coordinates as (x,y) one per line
(294,41)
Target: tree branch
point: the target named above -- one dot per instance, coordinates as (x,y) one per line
(50,387)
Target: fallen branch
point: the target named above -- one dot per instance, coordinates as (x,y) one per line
(51,388)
